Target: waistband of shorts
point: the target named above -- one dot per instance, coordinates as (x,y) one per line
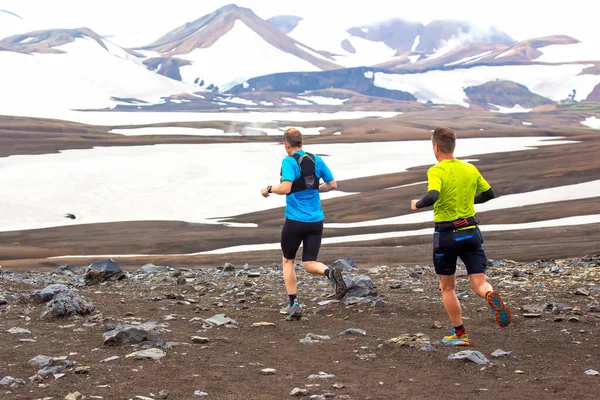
(456,224)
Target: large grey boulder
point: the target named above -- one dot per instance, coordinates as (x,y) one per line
(360,286)
(101,271)
(126,334)
(48,293)
(65,304)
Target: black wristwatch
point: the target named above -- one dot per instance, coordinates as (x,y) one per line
(269,189)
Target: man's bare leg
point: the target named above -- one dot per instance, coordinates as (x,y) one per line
(451,303)
(289,276)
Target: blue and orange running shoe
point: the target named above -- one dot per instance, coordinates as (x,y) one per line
(501,312)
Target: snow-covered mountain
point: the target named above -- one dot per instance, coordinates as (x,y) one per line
(74,69)
(233,50)
(233,44)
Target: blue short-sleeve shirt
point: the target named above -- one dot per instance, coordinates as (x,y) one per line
(305,205)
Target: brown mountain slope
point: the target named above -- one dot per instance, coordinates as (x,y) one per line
(497,54)
(46,41)
(595,94)
(205,31)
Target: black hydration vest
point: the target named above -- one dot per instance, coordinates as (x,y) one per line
(308,179)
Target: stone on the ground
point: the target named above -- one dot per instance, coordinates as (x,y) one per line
(411,340)
(395,284)
(312,338)
(64,269)
(131,334)
(19,331)
(346,264)
(10,381)
(471,355)
(263,324)
(82,370)
(268,371)
(592,372)
(200,393)
(109,359)
(321,375)
(164,394)
(154,354)
(594,307)
(101,271)
(360,286)
(298,392)
(353,331)
(228,267)
(582,292)
(74,396)
(66,304)
(428,348)
(3,300)
(502,353)
(48,293)
(220,320)
(436,325)
(199,339)
(40,361)
(153,269)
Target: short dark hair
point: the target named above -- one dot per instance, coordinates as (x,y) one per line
(293,137)
(445,139)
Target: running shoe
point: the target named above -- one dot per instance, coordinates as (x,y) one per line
(501,312)
(293,310)
(456,340)
(338,284)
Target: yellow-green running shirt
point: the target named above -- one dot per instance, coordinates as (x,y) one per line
(458,182)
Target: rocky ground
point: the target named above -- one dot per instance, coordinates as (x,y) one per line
(161,332)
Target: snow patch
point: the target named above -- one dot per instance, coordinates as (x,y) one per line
(446,87)
(415,43)
(513,110)
(168,131)
(592,122)
(527,123)
(240,43)
(414,59)
(468,59)
(153,182)
(369,74)
(562,53)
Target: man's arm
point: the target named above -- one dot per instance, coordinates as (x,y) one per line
(283,188)
(429,199)
(482,197)
(327,186)
(434,187)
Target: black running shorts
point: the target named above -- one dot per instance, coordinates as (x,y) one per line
(466,244)
(307,233)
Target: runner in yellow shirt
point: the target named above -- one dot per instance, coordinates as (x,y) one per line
(454,186)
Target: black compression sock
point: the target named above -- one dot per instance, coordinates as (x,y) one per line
(293,298)
(327,273)
(460,330)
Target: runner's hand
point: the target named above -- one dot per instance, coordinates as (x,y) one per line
(264,192)
(413,205)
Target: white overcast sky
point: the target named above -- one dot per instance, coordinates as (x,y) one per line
(147,20)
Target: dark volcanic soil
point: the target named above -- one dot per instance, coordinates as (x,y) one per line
(552,356)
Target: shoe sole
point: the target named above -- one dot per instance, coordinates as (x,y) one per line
(458,344)
(340,285)
(502,313)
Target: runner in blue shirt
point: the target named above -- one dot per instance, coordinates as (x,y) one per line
(301,173)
